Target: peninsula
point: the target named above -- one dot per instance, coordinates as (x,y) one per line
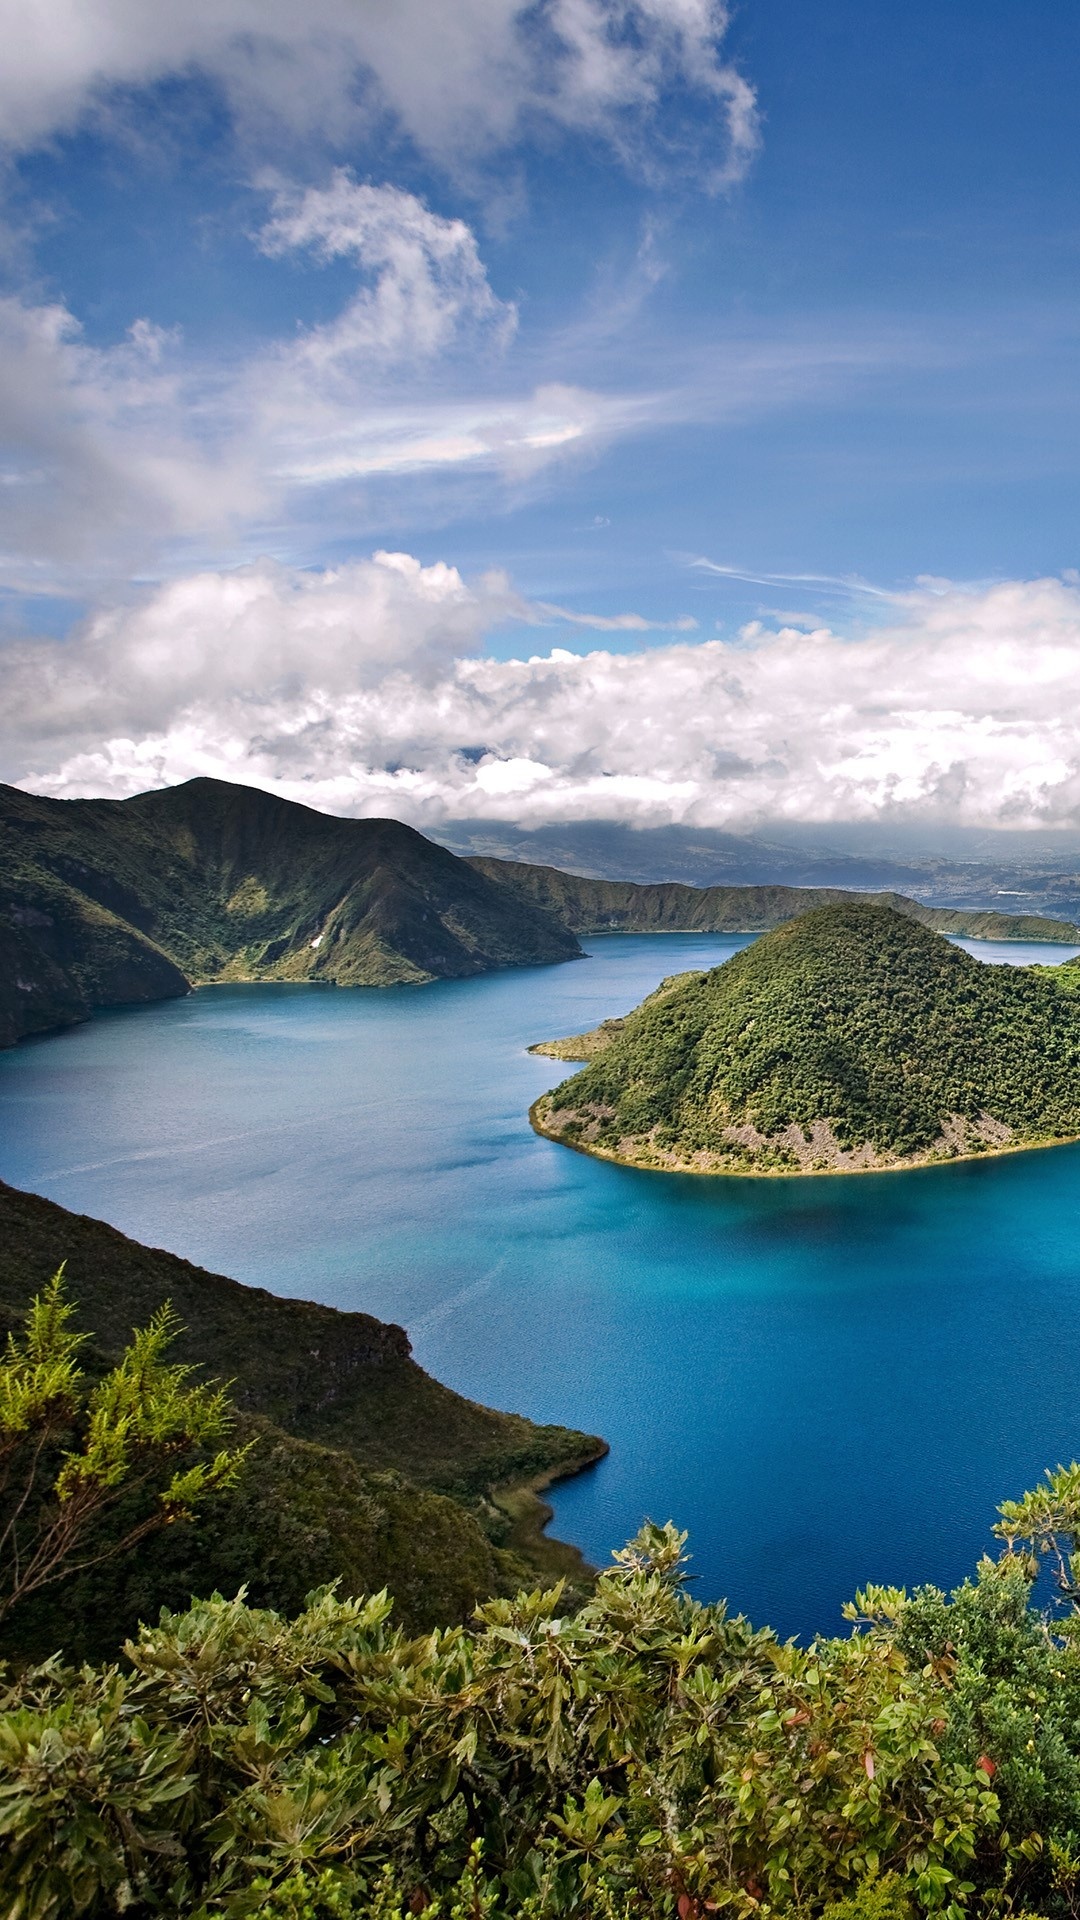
(849,1039)
(366,1470)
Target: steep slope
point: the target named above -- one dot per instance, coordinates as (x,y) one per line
(849,1038)
(622,906)
(366,1468)
(104,902)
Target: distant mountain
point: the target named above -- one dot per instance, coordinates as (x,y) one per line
(365,1467)
(849,1038)
(618,906)
(104,902)
(1037,873)
(697,856)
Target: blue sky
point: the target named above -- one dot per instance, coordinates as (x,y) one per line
(734,356)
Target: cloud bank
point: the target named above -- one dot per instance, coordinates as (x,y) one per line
(368,690)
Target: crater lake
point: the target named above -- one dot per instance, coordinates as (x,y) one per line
(827,1380)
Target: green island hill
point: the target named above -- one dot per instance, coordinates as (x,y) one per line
(849,1039)
(366,1470)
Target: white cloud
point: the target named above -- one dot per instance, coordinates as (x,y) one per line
(111,456)
(462,80)
(430,283)
(98,449)
(144,456)
(367,690)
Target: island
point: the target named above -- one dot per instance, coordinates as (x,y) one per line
(850,1039)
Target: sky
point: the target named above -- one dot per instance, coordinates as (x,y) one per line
(633,410)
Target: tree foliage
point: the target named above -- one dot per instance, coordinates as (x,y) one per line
(647,1756)
(88,1469)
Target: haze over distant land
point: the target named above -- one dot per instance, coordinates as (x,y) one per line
(1009,872)
(547,415)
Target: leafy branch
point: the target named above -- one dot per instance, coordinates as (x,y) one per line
(77,1455)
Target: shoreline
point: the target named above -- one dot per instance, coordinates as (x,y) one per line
(928,1164)
(530,1516)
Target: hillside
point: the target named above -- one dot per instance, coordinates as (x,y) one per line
(366,1467)
(104,902)
(621,906)
(850,1038)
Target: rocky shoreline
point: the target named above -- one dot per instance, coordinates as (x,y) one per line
(794,1153)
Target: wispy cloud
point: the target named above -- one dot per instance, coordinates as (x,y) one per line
(429,288)
(614,622)
(848,583)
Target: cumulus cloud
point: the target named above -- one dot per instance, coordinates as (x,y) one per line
(462,80)
(368,690)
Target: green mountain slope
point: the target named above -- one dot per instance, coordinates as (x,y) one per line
(849,1038)
(104,902)
(623,906)
(366,1467)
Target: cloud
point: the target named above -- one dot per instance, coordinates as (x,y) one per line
(848,584)
(463,81)
(114,460)
(100,458)
(430,285)
(368,690)
(143,456)
(111,457)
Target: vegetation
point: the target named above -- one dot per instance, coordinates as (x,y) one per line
(365,1467)
(74,1456)
(105,901)
(645,1757)
(850,1037)
(626,906)
(586,1046)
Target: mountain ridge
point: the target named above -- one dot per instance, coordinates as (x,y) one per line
(591,906)
(104,902)
(111,902)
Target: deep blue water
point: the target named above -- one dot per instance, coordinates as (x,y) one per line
(828,1381)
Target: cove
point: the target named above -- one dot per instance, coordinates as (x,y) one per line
(827,1381)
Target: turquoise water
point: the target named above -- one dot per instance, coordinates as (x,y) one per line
(828,1381)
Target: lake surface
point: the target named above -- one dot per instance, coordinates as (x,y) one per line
(828,1381)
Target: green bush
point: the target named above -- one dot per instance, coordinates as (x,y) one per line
(646,1756)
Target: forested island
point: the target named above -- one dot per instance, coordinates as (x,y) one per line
(849,1039)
